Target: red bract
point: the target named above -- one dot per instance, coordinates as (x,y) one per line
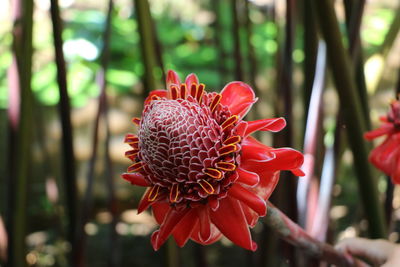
(205,176)
(386,156)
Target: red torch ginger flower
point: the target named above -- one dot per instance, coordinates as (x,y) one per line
(205,176)
(386,156)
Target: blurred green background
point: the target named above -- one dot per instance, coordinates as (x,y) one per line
(204,37)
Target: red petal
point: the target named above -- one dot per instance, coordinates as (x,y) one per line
(251,215)
(160,209)
(186,225)
(298,172)
(286,159)
(272,125)
(241,128)
(135,179)
(231,221)
(215,235)
(249,198)
(159,93)
(144,202)
(267,184)
(172,78)
(247,178)
(205,224)
(384,156)
(256,157)
(171,221)
(255,151)
(190,79)
(239,97)
(386,128)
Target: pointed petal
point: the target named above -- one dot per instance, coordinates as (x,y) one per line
(386,128)
(190,79)
(231,221)
(271,125)
(297,172)
(257,157)
(247,178)
(214,236)
(267,184)
(249,198)
(155,93)
(135,179)
(255,150)
(251,215)
(144,202)
(286,159)
(239,97)
(171,221)
(384,156)
(241,128)
(160,210)
(186,225)
(205,224)
(172,78)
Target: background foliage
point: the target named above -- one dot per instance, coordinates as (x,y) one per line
(272,45)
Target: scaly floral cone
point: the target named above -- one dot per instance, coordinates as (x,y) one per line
(205,175)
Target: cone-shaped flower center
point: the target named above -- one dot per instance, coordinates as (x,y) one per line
(188,149)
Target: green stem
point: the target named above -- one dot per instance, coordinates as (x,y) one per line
(21,128)
(355,124)
(147,43)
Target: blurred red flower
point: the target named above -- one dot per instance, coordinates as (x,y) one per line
(205,175)
(386,156)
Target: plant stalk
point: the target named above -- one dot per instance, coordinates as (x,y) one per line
(355,123)
(147,44)
(295,235)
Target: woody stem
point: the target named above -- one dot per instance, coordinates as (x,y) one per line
(295,235)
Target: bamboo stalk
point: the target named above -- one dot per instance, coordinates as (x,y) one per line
(64,106)
(102,109)
(286,193)
(391,34)
(295,235)
(310,51)
(147,43)
(311,136)
(354,13)
(111,199)
(355,123)
(20,121)
(238,73)
(218,30)
(250,50)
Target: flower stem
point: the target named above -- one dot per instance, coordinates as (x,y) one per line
(295,235)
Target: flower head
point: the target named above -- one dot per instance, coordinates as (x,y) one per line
(205,175)
(386,156)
